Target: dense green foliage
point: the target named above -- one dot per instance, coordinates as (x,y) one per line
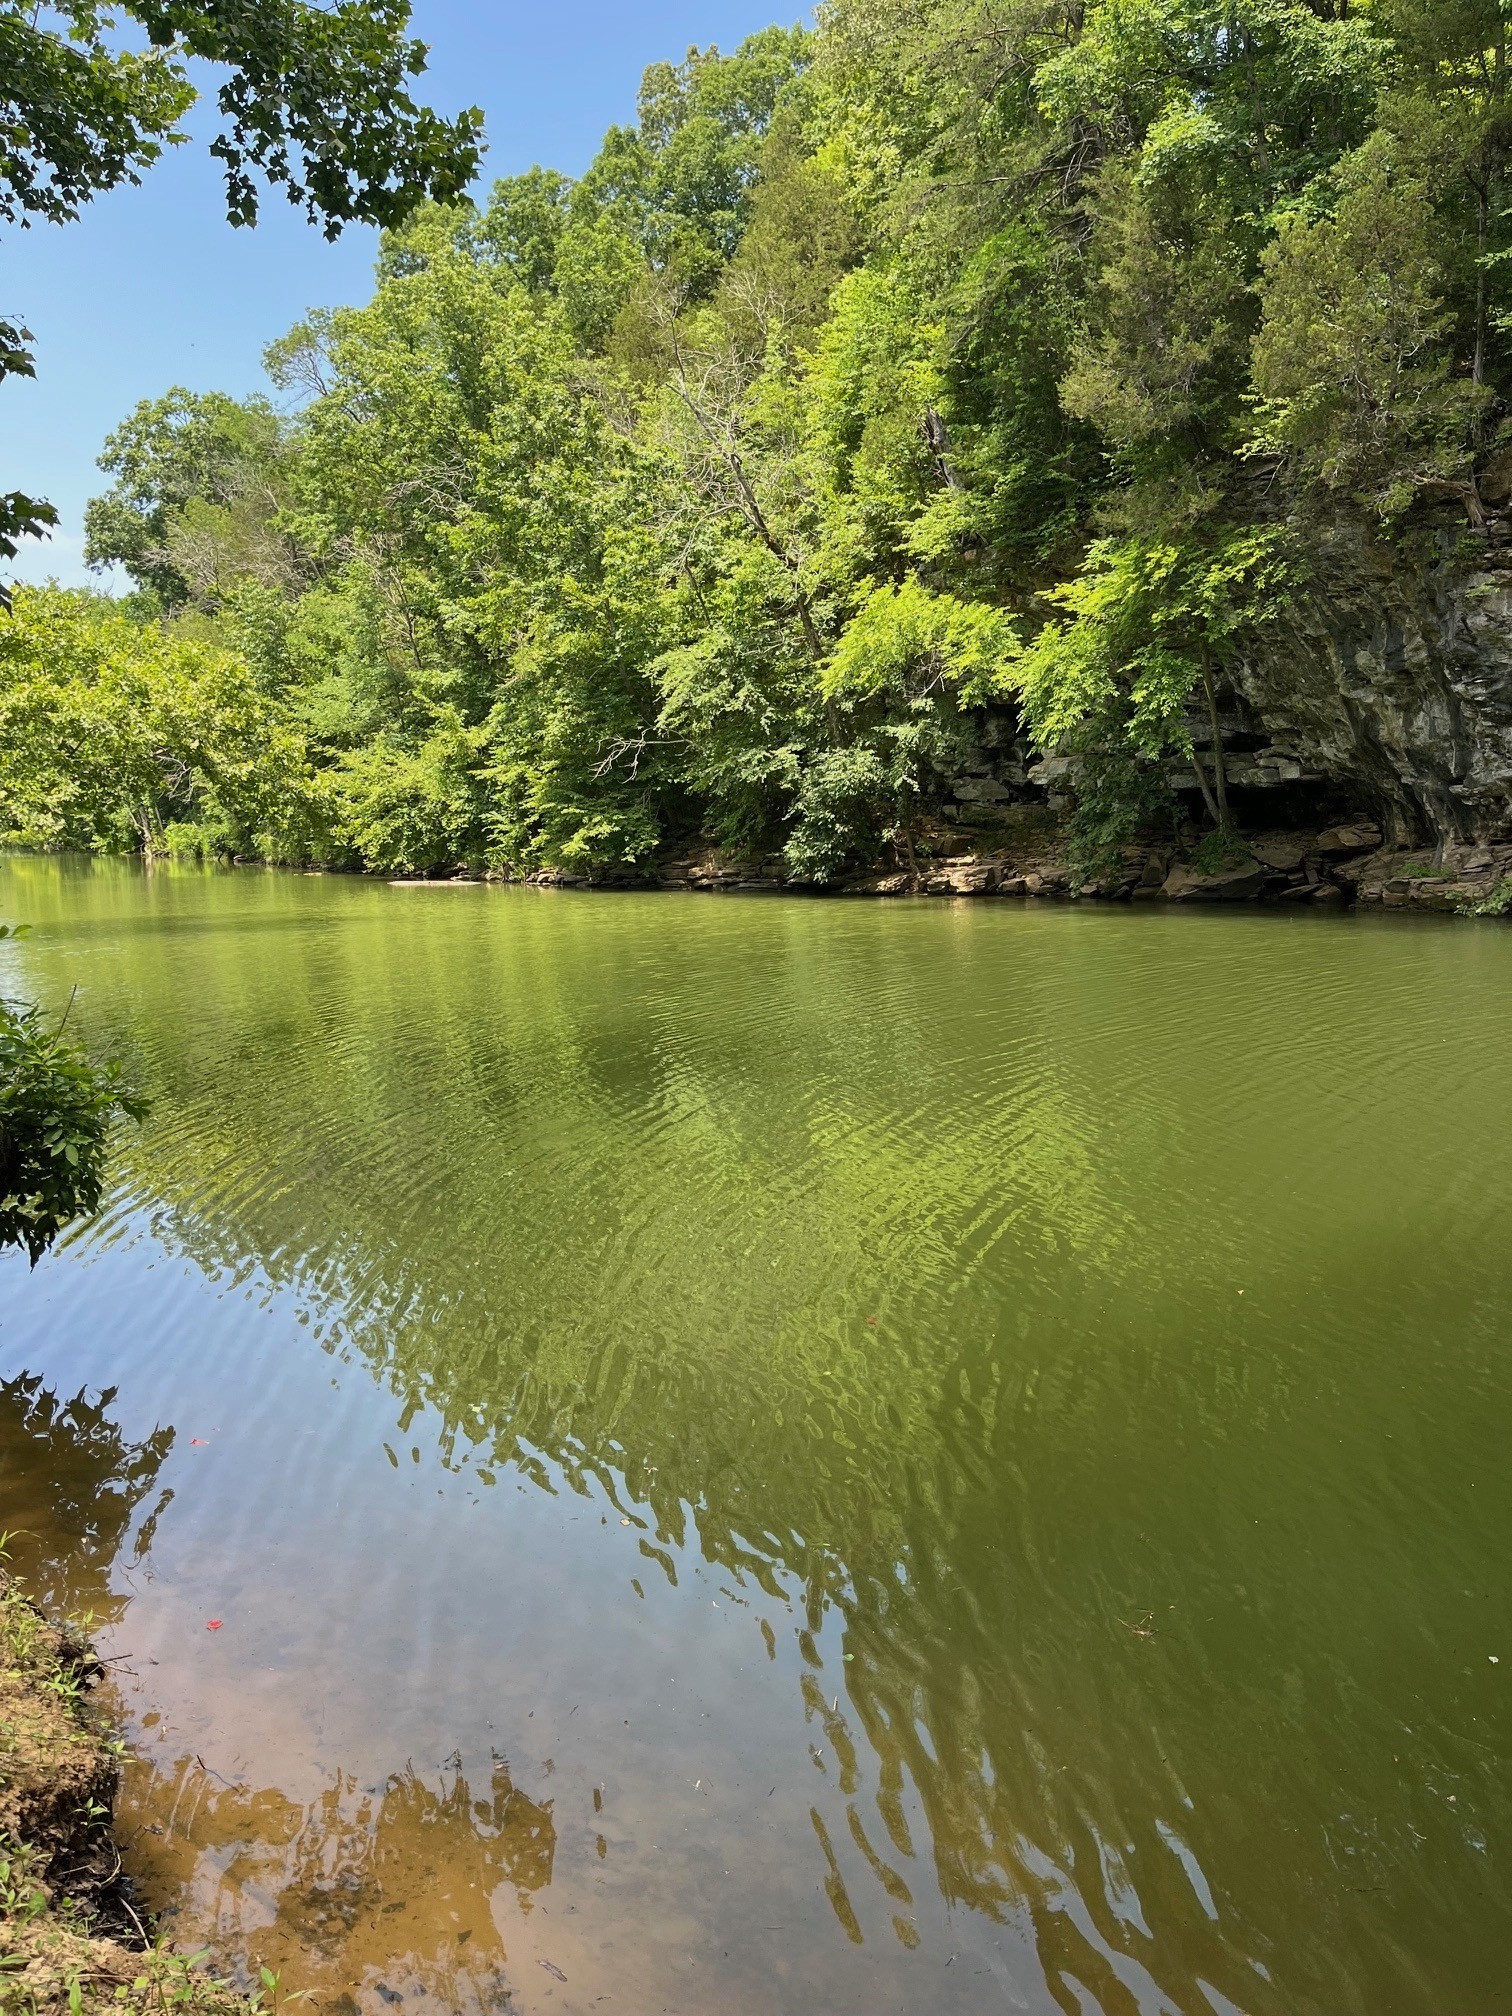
(953,356)
(314,100)
(117,734)
(56,1113)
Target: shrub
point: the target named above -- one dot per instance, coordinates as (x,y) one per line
(1496,902)
(57,1108)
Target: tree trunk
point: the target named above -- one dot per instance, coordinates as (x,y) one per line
(909,856)
(1207,790)
(937,436)
(1220,777)
(1482,216)
(750,503)
(1485,191)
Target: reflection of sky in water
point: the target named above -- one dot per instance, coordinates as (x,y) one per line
(736,1468)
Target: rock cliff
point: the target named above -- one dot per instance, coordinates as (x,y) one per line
(1391,676)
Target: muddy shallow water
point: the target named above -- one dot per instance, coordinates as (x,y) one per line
(760,1455)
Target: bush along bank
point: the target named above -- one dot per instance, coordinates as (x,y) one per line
(71,1942)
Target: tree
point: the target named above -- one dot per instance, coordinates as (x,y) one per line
(117,733)
(1147,627)
(316,101)
(672,194)
(185,465)
(1353,381)
(1448,109)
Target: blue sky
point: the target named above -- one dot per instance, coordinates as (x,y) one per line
(153,288)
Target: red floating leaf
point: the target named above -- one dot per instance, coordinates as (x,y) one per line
(198,1442)
(214,1624)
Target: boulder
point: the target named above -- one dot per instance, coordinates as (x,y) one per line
(1495,481)
(1443,894)
(1186,884)
(1284,851)
(1351,868)
(963,877)
(1349,840)
(971,878)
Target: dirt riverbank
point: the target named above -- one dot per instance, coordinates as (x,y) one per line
(71,1941)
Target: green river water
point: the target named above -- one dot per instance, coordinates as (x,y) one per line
(761,1455)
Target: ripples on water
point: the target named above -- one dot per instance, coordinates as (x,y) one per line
(763,1455)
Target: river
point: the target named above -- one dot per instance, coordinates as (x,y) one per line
(755,1455)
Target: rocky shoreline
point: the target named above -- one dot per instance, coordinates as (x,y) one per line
(1342,865)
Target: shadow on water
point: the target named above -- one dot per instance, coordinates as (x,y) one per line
(70,1456)
(1064,1353)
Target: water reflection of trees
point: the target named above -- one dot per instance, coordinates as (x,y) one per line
(697,1348)
(636,1247)
(859,1501)
(70,1486)
(385,1887)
